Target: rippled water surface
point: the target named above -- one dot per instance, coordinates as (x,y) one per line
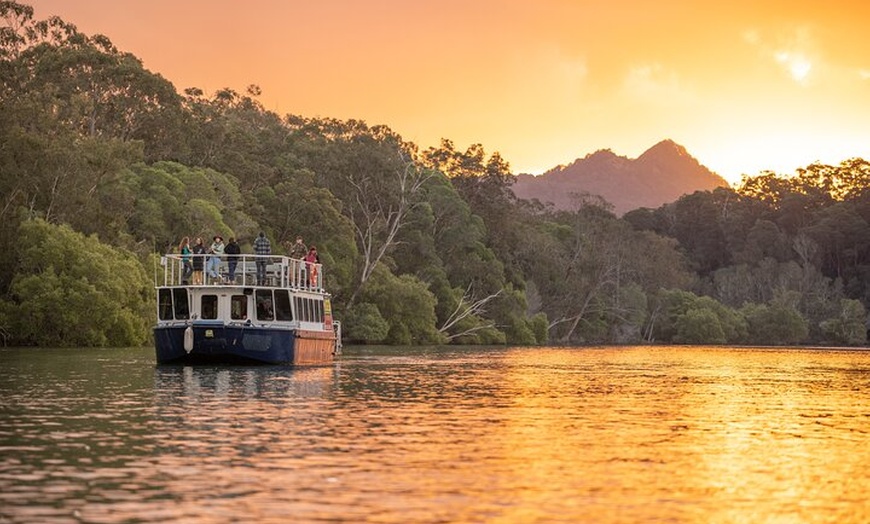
(439,435)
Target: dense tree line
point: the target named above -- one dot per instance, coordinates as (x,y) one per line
(104,165)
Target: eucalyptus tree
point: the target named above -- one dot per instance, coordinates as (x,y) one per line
(485,184)
(233,133)
(490,259)
(464,273)
(167,201)
(83,83)
(375,175)
(593,274)
(74,112)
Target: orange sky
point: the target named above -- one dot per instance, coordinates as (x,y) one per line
(744,85)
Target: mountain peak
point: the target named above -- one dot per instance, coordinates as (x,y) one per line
(601,153)
(660,175)
(666,148)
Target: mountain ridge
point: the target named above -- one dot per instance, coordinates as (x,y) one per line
(661,174)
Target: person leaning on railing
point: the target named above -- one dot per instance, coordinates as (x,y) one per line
(312,260)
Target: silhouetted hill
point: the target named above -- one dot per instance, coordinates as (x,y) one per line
(662,174)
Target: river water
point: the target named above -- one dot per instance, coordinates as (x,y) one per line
(628,434)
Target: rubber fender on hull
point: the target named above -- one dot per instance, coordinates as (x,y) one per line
(188,339)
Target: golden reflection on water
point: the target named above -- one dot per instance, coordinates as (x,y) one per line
(450,435)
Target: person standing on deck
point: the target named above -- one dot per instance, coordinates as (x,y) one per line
(232,251)
(311,261)
(297,252)
(214,262)
(262,248)
(187,267)
(198,261)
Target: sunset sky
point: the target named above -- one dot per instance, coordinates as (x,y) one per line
(745,86)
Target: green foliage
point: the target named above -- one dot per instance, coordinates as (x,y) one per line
(363,323)
(519,332)
(849,326)
(72,290)
(538,326)
(680,317)
(406,304)
(777,324)
(167,201)
(699,326)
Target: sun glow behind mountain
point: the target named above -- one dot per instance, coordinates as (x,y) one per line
(744,86)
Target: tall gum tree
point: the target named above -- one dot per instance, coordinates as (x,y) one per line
(374,173)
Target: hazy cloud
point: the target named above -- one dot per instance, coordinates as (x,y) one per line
(794,52)
(654,83)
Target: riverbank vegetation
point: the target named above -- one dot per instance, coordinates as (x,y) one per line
(104,165)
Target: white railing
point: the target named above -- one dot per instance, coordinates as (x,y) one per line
(248,270)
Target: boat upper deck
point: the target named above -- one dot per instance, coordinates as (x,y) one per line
(239,270)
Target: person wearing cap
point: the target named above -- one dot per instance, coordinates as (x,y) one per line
(297,251)
(214,261)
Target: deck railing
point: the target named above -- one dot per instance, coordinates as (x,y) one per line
(250,270)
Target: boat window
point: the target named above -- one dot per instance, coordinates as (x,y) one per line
(182,306)
(306,309)
(318,311)
(239,307)
(265,309)
(164,310)
(297,302)
(209,307)
(282,305)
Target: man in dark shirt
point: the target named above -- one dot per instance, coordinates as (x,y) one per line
(232,250)
(262,247)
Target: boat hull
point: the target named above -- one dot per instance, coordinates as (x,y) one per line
(219,343)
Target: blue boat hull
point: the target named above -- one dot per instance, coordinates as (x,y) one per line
(216,343)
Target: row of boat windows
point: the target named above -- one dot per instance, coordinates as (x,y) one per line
(268,305)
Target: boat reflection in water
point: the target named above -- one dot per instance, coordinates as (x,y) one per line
(272,384)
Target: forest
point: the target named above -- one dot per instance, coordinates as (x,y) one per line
(105,165)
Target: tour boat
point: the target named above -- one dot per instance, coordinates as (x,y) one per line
(273,310)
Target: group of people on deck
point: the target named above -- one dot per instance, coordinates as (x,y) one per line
(198,259)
